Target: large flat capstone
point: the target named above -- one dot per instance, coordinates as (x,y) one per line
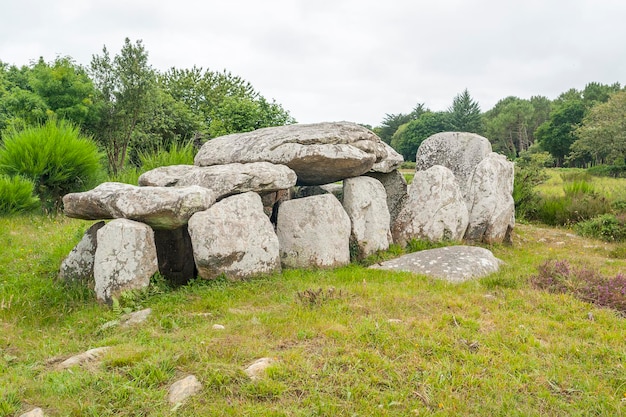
(159,207)
(225,180)
(453,264)
(319,153)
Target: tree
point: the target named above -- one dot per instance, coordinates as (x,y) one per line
(557,134)
(392,122)
(65,87)
(465,114)
(225,102)
(602,134)
(126,88)
(410,136)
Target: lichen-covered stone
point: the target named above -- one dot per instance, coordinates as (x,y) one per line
(234,238)
(125,259)
(314,232)
(319,153)
(365,201)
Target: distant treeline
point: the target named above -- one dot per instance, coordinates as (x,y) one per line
(578,128)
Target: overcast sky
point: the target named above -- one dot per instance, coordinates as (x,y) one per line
(355,60)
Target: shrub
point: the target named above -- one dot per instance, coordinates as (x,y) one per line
(606,227)
(527,176)
(585,284)
(54,156)
(579,204)
(16,195)
(615,171)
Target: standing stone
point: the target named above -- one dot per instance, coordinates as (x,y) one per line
(234,238)
(491,206)
(78,265)
(313,232)
(319,153)
(125,259)
(396,189)
(272,200)
(365,201)
(435,209)
(175,255)
(458,151)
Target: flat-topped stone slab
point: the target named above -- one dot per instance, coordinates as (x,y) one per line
(454,263)
(225,180)
(158,207)
(319,153)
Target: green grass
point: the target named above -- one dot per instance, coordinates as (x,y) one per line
(493,347)
(612,189)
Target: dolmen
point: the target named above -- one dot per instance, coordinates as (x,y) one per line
(296,196)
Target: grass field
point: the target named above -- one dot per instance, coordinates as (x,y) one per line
(611,188)
(379,344)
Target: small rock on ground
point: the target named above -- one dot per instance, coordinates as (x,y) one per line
(82,358)
(182,389)
(36,412)
(257,368)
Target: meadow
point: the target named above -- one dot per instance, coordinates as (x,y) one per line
(370,343)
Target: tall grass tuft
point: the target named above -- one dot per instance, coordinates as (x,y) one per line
(54,156)
(176,154)
(17,195)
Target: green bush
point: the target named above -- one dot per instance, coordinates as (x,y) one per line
(615,171)
(528,175)
(16,195)
(54,156)
(606,227)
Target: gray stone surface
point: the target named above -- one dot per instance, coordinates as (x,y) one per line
(35,412)
(313,232)
(235,238)
(392,161)
(175,255)
(224,180)
(319,153)
(125,259)
(159,207)
(182,389)
(458,151)
(78,265)
(256,369)
(396,189)
(365,201)
(434,210)
(453,264)
(89,356)
(490,201)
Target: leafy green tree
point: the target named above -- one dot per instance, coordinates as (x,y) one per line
(507,125)
(410,136)
(65,87)
(557,134)
(602,135)
(126,87)
(392,122)
(465,115)
(226,103)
